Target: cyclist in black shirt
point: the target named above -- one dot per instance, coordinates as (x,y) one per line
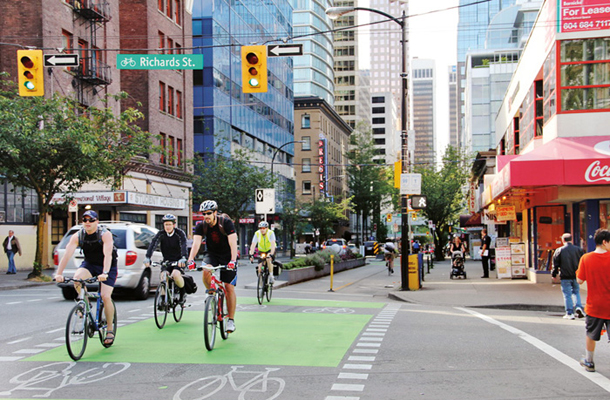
(173,247)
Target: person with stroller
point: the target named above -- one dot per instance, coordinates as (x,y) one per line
(457,249)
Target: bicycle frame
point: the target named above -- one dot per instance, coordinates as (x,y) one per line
(216,315)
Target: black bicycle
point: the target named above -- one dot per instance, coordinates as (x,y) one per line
(84,321)
(264,287)
(167,297)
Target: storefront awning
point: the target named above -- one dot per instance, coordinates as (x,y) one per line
(124,199)
(575,161)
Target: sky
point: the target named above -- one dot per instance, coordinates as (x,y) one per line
(434,36)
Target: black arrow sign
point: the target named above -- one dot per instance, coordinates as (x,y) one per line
(282,50)
(61,60)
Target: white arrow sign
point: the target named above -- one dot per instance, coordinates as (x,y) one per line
(265,201)
(61,60)
(280,50)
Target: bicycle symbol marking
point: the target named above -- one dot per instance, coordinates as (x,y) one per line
(62,372)
(330,310)
(128,62)
(208,386)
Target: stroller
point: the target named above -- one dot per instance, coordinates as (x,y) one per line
(457,265)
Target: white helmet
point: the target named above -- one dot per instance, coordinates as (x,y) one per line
(263,224)
(208,205)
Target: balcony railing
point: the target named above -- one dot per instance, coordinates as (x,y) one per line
(93,10)
(94,71)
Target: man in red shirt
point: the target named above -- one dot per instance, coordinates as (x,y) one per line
(594,268)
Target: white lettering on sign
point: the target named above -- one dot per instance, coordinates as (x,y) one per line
(596,172)
(144,199)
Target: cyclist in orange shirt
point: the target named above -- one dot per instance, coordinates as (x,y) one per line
(594,268)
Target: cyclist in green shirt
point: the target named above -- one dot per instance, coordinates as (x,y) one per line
(265,239)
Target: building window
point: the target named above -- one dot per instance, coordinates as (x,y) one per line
(169,7)
(177,11)
(161,96)
(163,145)
(378,131)
(378,99)
(305,122)
(161,5)
(306,187)
(306,167)
(170,46)
(539,108)
(170,100)
(179,151)
(161,42)
(178,104)
(378,110)
(306,143)
(379,120)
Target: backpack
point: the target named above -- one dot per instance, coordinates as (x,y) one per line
(190,286)
(101,229)
(221,220)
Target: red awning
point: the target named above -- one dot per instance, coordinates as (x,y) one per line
(575,161)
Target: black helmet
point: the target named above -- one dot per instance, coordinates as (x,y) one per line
(169,217)
(208,205)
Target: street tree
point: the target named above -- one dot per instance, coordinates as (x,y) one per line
(324,214)
(445,197)
(231,181)
(53,145)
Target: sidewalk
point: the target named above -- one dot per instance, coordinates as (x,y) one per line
(20,279)
(438,289)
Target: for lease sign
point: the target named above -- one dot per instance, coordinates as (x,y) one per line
(584,15)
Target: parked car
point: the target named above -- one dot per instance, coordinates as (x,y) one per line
(369,248)
(353,248)
(132,241)
(339,246)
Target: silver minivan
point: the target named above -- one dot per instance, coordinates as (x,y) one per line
(132,241)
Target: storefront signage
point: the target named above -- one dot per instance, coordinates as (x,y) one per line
(151,200)
(506,213)
(472,199)
(597,172)
(322,165)
(88,198)
(122,198)
(583,15)
(246,220)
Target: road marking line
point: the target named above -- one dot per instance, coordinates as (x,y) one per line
(372,339)
(351,375)
(376,330)
(136,310)
(373,334)
(28,351)
(368,344)
(347,387)
(594,377)
(33,300)
(341,398)
(357,366)
(48,345)
(360,358)
(19,340)
(366,351)
(14,302)
(63,339)
(56,330)
(6,358)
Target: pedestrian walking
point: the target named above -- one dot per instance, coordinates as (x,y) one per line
(565,264)
(594,268)
(11,247)
(485,245)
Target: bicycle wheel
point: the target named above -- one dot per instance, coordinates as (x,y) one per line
(224,315)
(269,287)
(103,324)
(209,322)
(76,331)
(160,305)
(178,310)
(260,288)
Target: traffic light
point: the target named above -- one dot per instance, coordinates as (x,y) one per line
(389,217)
(414,216)
(31,72)
(254,69)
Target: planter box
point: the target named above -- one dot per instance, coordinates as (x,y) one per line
(539,276)
(304,274)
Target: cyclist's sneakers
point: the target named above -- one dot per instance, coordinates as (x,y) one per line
(231,326)
(271,279)
(589,365)
(579,313)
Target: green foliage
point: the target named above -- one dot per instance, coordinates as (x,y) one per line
(53,145)
(444,191)
(323,215)
(319,259)
(230,181)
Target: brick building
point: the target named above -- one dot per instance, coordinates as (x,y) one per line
(99,30)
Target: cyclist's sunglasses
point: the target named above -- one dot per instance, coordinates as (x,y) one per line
(208,213)
(87,219)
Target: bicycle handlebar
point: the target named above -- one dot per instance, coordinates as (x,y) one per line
(88,280)
(164,264)
(214,268)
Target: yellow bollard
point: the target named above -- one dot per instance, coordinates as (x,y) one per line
(332,262)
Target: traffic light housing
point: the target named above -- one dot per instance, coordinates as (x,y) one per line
(254,69)
(414,216)
(389,217)
(30,72)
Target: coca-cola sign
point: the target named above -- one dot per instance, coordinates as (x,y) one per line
(597,172)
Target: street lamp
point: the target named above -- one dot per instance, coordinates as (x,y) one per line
(279,148)
(336,12)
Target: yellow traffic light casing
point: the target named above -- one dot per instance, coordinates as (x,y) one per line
(414,216)
(389,217)
(30,72)
(254,69)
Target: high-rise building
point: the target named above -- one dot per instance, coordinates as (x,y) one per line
(352,94)
(313,71)
(423,102)
(386,128)
(225,118)
(453,116)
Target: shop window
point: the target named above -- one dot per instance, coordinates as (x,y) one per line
(604,214)
(582,218)
(550,225)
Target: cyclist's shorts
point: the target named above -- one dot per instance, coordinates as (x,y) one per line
(595,326)
(226,276)
(96,270)
(171,268)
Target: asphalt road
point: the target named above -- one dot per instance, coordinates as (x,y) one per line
(307,343)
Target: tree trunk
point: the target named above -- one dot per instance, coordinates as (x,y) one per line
(39,257)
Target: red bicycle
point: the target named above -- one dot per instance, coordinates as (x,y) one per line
(216,312)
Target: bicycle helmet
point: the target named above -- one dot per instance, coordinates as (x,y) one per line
(263,224)
(208,205)
(170,217)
